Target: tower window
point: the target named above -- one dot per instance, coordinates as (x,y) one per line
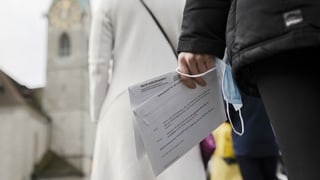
(64,46)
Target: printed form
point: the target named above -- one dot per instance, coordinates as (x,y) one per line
(170,119)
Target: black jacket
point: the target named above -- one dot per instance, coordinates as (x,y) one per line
(252,30)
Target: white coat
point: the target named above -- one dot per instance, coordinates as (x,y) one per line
(123,31)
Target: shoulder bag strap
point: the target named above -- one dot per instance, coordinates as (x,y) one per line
(160,27)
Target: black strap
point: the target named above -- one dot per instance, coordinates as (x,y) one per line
(160,27)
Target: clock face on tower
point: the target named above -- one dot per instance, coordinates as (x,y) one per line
(64,13)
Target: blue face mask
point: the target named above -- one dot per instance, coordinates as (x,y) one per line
(230,91)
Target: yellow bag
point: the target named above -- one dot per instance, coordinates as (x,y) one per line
(219,168)
(223,138)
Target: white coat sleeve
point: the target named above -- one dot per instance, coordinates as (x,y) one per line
(100,53)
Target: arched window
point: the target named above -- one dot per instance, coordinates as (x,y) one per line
(64,45)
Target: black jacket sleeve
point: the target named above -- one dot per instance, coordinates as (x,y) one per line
(203,27)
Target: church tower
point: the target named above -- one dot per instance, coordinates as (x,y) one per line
(65,97)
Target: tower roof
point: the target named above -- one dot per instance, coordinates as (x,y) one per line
(84,4)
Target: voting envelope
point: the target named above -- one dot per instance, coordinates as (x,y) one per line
(171,119)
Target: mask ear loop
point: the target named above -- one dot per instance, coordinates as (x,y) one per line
(195,75)
(241,121)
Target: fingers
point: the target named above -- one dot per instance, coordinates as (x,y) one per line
(184,68)
(197,66)
(193,64)
(209,61)
(203,64)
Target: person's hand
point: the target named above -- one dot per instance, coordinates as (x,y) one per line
(190,63)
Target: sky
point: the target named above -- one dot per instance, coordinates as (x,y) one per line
(23,40)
